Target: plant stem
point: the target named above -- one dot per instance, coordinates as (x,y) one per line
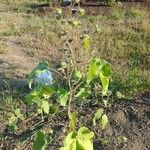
(71,92)
(69,103)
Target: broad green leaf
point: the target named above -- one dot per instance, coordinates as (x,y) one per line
(30,99)
(42,90)
(39,92)
(54,108)
(87,41)
(100,68)
(85,133)
(105,82)
(18,114)
(71,135)
(85,139)
(72,121)
(45,106)
(70,146)
(84,144)
(94,69)
(80,145)
(69,142)
(106,70)
(83,93)
(91,71)
(97,116)
(82,140)
(104,121)
(63,96)
(104,75)
(98,64)
(63,99)
(40,142)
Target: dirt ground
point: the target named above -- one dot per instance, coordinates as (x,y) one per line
(128,129)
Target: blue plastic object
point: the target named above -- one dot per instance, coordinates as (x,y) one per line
(44,78)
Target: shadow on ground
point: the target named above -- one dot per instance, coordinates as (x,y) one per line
(14,84)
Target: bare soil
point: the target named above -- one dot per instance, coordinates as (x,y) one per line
(129,119)
(20,59)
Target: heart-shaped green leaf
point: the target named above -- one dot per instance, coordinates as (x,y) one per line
(104,121)
(45,106)
(97,116)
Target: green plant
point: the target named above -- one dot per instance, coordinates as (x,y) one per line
(41,140)
(81,140)
(102,117)
(102,70)
(77,84)
(13,118)
(43,88)
(39,96)
(72,121)
(97,69)
(62,96)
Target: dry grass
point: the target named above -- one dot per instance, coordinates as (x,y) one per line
(11,23)
(122,38)
(3,48)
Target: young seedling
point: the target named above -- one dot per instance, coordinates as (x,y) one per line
(14,118)
(102,117)
(39,96)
